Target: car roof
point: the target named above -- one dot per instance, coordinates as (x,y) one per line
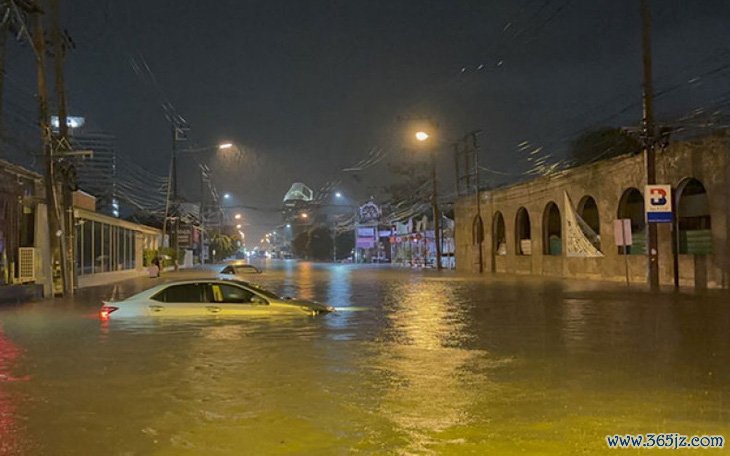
(159,287)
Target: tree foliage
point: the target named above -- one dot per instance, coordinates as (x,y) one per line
(602,143)
(222,246)
(319,246)
(299,244)
(407,177)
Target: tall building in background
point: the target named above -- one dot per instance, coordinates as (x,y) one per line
(97,173)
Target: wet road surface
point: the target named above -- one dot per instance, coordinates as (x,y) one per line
(412,363)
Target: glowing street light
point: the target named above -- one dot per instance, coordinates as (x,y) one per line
(288,225)
(227,195)
(338,195)
(422,136)
(238,227)
(237,217)
(304,215)
(225,146)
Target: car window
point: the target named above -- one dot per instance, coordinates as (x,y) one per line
(246,269)
(227,270)
(230,294)
(189,292)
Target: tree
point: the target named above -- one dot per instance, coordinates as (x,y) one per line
(408,178)
(319,246)
(345,243)
(299,244)
(602,143)
(222,246)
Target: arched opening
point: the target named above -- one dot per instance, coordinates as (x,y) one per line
(693,218)
(477,230)
(523,235)
(552,230)
(499,237)
(631,206)
(588,211)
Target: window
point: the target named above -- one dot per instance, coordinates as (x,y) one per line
(552,231)
(190,292)
(631,206)
(231,294)
(499,239)
(523,234)
(588,211)
(246,269)
(693,218)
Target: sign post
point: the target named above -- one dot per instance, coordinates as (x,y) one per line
(622,234)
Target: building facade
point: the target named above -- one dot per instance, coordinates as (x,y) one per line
(527,228)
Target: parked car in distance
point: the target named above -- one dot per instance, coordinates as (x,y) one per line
(201,297)
(236,269)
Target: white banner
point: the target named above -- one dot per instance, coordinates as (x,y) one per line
(577,243)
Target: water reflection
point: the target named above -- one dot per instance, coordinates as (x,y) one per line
(433,381)
(11,432)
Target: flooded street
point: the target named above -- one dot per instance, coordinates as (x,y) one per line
(412,363)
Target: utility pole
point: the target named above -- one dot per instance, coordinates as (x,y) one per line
(648,132)
(203,173)
(52,203)
(175,207)
(59,52)
(436,213)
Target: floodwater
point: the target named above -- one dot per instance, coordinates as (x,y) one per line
(412,363)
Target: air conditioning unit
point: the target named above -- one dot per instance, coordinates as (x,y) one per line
(26,264)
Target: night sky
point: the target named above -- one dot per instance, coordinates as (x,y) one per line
(307,88)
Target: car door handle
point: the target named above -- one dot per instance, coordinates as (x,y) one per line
(156,308)
(213,309)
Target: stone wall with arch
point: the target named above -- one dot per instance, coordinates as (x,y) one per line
(699,172)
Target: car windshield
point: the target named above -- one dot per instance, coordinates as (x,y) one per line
(258,289)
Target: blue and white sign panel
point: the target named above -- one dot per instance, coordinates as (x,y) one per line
(658,203)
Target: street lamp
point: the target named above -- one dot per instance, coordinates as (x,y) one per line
(338,195)
(225,146)
(237,217)
(422,136)
(227,195)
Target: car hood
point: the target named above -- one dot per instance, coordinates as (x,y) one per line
(313,305)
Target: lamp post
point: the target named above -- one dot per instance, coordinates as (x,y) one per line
(423,137)
(178,134)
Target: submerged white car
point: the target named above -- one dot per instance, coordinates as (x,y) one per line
(208,297)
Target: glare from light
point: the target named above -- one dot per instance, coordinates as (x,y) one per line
(305,215)
(338,195)
(288,225)
(225,146)
(238,226)
(238,217)
(422,135)
(226,195)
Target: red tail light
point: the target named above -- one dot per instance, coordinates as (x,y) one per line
(106,311)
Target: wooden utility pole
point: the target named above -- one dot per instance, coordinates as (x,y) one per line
(54,220)
(63,145)
(436,212)
(648,132)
